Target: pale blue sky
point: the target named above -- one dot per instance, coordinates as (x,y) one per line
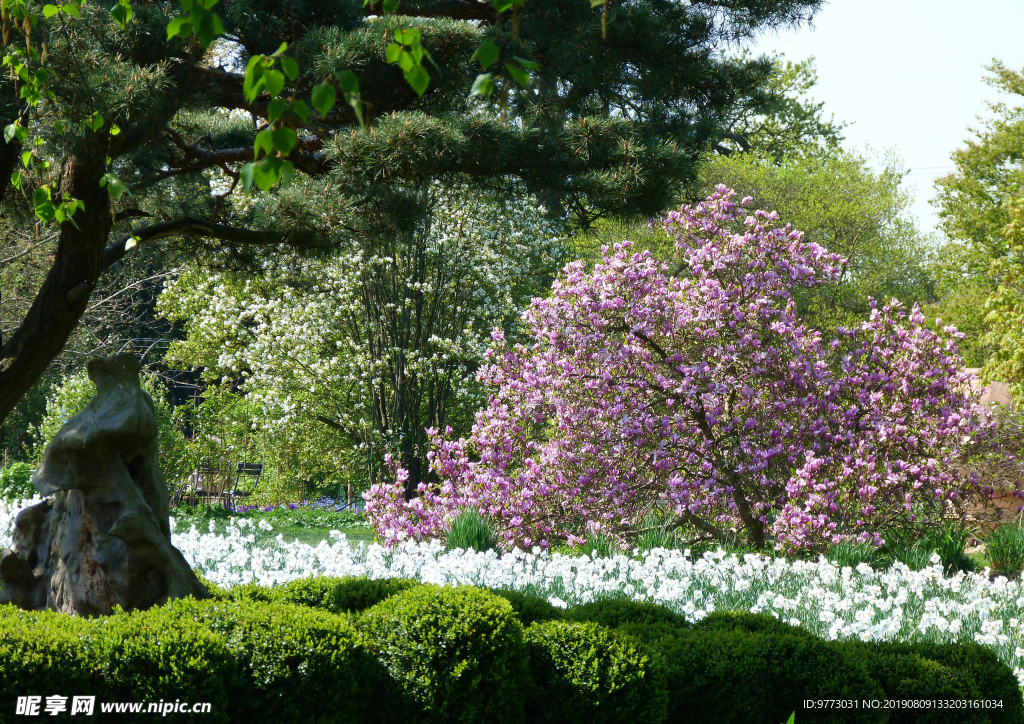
(908,74)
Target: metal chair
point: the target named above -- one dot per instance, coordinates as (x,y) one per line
(249,470)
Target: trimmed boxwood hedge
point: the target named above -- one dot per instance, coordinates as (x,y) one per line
(372,652)
(457,652)
(337,595)
(529,609)
(586,673)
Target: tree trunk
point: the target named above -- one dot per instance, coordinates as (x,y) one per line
(65,292)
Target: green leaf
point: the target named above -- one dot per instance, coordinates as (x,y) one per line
(521,76)
(114,129)
(503,5)
(348,81)
(393,52)
(324,97)
(16,181)
(72,10)
(115,186)
(526,63)
(290,68)
(487,53)
(276,109)
(409,36)
(50,10)
(482,86)
(253,82)
(596,3)
(181,25)
(274,81)
(284,140)
(58,126)
(299,108)
(245,175)
(418,78)
(122,13)
(280,49)
(26,158)
(264,142)
(390,6)
(287,171)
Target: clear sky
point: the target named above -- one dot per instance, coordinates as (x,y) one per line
(907,74)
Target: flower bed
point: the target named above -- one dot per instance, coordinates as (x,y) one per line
(896,604)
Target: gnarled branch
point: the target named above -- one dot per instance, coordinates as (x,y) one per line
(192,226)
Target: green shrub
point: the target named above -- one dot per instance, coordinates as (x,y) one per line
(734,676)
(591,674)
(40,654)
(751,623)
(529,609)
(157,655)
(251,593)
(471,530)
(284,655)
(458,652)
(1005,549)
(939,671)
(16,482)
(907,675)
(344,595)
(618,612)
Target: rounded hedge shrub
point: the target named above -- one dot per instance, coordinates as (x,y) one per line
(529,609)
(734,676)
(342,595)
(591,674)
(458,653)
(157,655)
(284,656)
(938,671)
(618,612)
(40,654)
(746,622)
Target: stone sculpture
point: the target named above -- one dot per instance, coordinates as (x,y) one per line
(101,538)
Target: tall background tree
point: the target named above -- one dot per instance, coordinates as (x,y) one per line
(128,113)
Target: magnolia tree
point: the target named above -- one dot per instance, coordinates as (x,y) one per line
(702,395)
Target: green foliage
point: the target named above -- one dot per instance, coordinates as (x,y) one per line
(618,612)
(979,211)
(284,655)
(750,623)
(599,545)
(529,609)
(344,595)
(939,671)
(471,530)
(736,676)
(791,125)
(457,652)
(849,554)
(584,672)
(16,482)
(1005,550)
(840,203)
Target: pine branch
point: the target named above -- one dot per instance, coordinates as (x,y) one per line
(196,158)
(191,226)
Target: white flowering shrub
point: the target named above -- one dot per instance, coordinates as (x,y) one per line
(361,352)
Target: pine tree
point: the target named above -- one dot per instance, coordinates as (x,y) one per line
(128,124)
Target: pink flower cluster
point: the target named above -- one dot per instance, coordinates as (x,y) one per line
(701,395)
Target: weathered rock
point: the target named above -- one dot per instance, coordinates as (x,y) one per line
(102,538)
